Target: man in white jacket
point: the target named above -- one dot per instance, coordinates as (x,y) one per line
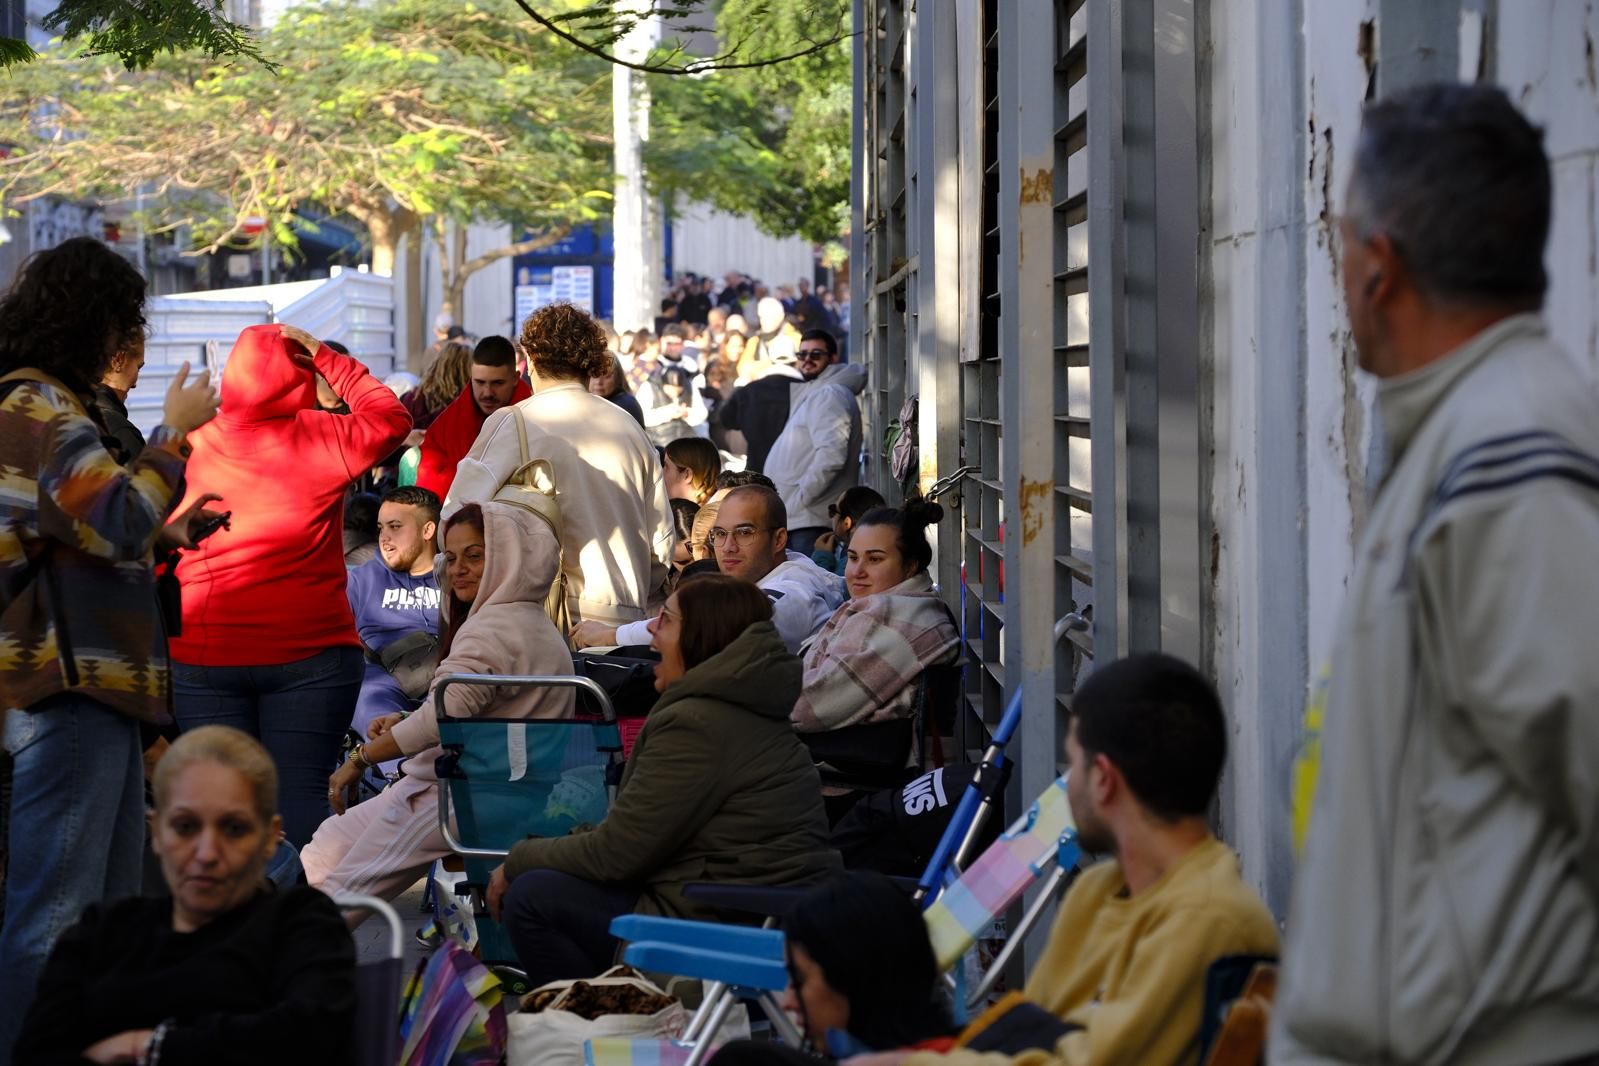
(750,541)
(818,454)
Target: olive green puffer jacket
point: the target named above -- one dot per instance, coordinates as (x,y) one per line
(718,789)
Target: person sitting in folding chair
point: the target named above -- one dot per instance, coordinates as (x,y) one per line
(886,997)
(499,563)
(718,789)
(863,665)
(1123,977)
(226,968)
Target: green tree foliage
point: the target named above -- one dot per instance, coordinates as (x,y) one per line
(402,115)
(136,31)
(770,141)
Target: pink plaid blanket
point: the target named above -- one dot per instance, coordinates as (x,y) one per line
(862,665)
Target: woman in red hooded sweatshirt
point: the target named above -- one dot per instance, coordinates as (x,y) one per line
(268,642)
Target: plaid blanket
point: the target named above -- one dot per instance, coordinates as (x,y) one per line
(863,664)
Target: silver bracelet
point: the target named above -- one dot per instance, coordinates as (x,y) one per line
(151,1056)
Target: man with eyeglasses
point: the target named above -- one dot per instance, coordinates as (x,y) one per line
(750,542)
(817,456)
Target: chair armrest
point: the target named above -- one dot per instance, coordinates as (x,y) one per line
(739,940)
(744,971)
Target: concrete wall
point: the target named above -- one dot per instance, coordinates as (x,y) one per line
(712,242)
(1545,59)
(1290,415)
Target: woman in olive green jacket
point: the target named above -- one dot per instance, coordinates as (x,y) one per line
(718,789)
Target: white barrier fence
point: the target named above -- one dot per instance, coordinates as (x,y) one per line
(355,308)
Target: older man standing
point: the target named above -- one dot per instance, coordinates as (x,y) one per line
(1447,909)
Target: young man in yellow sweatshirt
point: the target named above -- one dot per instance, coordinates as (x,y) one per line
(1125,967)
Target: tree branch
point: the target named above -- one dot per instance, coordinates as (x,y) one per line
(532,244)
(703,66)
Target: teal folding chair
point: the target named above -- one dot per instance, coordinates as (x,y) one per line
(507,779)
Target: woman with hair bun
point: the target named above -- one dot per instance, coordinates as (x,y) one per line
(863,665)
(616,536)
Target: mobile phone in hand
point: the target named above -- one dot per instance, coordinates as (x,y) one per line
(211,525)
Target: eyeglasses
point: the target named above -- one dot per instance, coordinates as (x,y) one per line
(742,536)
(832,510)
(807,354)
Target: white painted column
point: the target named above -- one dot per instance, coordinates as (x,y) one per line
(636,218)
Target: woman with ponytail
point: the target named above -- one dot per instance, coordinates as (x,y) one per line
(863,665)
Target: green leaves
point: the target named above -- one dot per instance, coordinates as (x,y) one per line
(772,142)
(405,105)
(137,31)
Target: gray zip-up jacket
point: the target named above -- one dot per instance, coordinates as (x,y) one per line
(1447,908)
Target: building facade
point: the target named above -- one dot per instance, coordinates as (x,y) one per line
(1093,242)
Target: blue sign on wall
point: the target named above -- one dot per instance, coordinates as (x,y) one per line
(584,246)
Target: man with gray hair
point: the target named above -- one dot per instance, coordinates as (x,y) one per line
(1447,908)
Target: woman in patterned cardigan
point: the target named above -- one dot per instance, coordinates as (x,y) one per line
(82,651)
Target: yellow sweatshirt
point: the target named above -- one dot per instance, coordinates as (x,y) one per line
(1131,971)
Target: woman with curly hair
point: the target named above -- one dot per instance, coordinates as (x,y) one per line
(85,657)
(617,540)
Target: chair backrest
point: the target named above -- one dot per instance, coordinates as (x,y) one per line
(1045,836)
(375,1037)
(1239,992)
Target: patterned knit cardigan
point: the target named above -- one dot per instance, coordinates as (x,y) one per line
(76,533)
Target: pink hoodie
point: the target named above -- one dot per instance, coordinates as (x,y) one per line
(506,632)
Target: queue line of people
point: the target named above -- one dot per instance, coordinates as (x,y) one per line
(1492,434)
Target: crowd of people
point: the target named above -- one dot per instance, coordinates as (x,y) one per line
(191,609)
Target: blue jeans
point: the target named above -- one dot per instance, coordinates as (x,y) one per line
(803,540)
(76,835)
(299,711)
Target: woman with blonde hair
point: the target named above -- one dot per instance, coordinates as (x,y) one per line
(442,382)
(224,969)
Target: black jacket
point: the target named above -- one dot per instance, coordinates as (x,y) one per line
(269,982)
(758,410)
(114,413)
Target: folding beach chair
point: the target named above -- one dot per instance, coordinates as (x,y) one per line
(958,906)
(506,779)
(375,1041)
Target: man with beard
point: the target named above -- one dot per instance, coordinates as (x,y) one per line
(1124,972)
(494,384)
(395,595)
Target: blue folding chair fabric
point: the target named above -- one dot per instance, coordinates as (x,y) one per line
(503,780)
(377,989)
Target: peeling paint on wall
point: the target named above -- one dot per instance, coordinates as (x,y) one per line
(1366,48)
(1040,188)
(1035,498)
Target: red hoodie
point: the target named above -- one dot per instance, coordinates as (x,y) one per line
(451,436)
(271,589)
